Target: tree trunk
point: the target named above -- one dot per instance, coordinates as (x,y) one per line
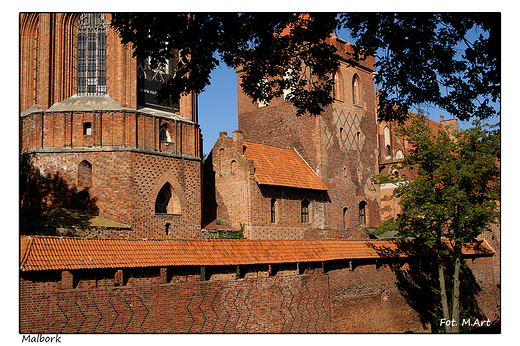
(455,314)
(444,296)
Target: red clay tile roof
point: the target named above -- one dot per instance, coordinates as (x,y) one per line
(281,167)
(56,253)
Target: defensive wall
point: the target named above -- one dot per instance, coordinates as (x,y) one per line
(159,287)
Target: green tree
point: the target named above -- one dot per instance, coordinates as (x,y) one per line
(277,51)
(418,55)
(454,196)
(448,60)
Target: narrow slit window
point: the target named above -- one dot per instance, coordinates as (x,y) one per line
(305,211)
(273,210)
(362,213)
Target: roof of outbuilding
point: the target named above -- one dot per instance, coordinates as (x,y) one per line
(71,217)
(281,167)
(60,253)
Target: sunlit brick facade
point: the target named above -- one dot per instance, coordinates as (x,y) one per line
(340,145)
(83,105)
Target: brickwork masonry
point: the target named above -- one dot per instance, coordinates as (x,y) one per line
(332,297)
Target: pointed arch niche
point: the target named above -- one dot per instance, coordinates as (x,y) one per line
(356,92)
(84,175)
(338,86)
(167,201)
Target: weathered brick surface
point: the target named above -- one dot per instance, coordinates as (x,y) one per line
(340,145)
(362,297)
(237,198)
(129,162)
(129,167)
(125,185)
(297,304)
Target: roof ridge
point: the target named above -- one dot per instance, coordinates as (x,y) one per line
(269,145)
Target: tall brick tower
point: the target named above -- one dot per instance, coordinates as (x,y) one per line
(89,118)
(340,145)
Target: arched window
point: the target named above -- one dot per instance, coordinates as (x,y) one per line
(388,148)
(305,211)
(91,32)
(399,155)
(337,90)
(84,175)
(362,213)
(221,160)
(167,201)
(356,96)
(345,218)
(273,210)
(164,135)
(233,167)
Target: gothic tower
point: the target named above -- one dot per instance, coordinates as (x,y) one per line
(90,121)
(340,145)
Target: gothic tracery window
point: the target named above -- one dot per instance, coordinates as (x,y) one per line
(91,32)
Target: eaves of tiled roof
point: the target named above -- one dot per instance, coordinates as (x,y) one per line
(281,167)
(60,253)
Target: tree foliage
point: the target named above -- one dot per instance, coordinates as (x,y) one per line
(427,58)
(448,60)
(277,51)
(454,195)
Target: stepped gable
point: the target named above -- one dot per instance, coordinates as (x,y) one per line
(281,167)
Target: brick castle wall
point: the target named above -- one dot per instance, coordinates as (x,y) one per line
(125,185)
(349,297)
(144,305)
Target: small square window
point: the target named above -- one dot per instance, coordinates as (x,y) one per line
(87,129)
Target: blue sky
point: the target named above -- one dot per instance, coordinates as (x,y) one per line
(218,109)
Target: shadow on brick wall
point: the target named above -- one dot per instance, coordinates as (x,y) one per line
(47,201)
(417,281)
